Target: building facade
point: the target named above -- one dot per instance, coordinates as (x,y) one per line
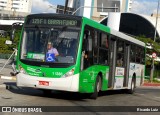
(98,9)
(15,7)
(126,5)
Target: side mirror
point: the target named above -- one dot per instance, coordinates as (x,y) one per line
(12,35)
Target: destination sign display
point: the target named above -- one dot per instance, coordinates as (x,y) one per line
(57,22)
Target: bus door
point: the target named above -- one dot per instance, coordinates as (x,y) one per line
(87,58)
(126,64)
(120,64)
(112,62)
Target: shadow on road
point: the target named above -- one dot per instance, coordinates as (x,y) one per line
(11,86)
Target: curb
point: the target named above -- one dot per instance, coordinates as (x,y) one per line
(158,87)
(152,84)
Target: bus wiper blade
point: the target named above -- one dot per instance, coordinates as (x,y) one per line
(64,28)
(36,26)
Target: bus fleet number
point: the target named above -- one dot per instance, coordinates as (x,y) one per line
(58,73)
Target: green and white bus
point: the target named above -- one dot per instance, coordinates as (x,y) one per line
(92,57)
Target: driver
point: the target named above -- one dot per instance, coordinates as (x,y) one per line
(51,49)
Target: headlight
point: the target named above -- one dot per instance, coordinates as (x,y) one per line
(69,73)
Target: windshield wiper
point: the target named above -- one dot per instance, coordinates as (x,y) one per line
(63,29)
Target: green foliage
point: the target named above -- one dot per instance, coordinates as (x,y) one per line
(8,49)
(156,73)
(149,42)
(156,81)
(3,47)
(155,47)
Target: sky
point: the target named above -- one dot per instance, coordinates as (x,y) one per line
(39,6)
(146,7)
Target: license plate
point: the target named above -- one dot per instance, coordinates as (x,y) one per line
(44,83)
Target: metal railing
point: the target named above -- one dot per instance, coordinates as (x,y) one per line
(12,18)
(5,56)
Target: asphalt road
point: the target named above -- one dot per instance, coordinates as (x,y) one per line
(7,68)
(144,96)
(15,96)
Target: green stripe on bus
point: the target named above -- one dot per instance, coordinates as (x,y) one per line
(120,76)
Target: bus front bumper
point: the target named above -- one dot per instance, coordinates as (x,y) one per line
(70,83)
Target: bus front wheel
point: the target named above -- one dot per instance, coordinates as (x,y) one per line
(97,88)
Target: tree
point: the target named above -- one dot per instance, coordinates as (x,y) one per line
(152,46)
(8,49)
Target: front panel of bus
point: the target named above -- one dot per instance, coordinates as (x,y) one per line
(49,68)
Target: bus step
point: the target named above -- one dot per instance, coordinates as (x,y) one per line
(125,87)
(111,88)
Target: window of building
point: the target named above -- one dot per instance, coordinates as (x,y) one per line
(102,5)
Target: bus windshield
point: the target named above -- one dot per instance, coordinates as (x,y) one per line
(49,44)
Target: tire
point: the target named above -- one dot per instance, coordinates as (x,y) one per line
(132,90)
(97,88)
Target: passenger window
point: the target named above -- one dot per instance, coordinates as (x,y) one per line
(103,49)
(120,53)
(103,57)
(143,56)
(95,49)
(138,54)
(104,41)
(87,47)
(133,53)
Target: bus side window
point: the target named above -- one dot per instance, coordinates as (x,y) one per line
(142,55)
(132,59)
(95,48)
(87,47)
(103,49)
(138,54)
(119,60)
